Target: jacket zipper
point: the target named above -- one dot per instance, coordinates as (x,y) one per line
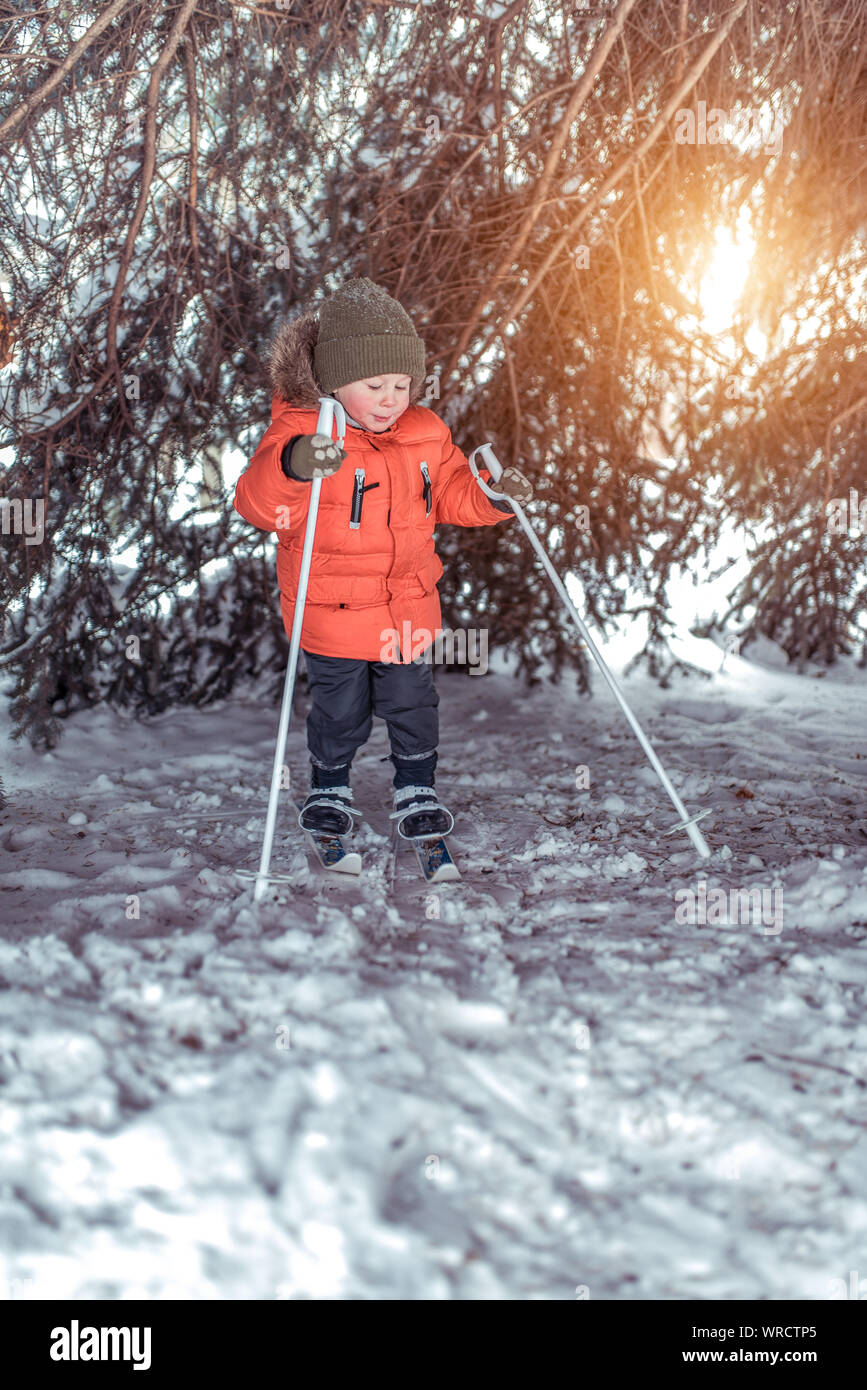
(358,491)
(428,494)
(357,498)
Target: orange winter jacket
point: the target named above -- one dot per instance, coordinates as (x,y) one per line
(374,570)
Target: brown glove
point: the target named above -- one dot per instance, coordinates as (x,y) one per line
(315,456)
(513,484)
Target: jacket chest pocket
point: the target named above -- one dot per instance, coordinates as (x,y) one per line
(359,488)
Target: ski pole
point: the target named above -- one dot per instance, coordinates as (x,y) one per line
(329,411)
(687,822)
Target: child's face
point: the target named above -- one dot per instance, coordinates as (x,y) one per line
(377,401)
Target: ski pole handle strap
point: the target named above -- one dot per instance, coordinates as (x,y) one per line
(495,468)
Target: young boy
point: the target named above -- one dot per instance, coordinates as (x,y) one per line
(374,568)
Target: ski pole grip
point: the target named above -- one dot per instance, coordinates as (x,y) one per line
(493,465)
(329,411)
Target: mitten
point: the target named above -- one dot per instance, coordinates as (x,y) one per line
(513,484)
(315,456)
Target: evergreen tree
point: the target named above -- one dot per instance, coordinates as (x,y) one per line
(541,187)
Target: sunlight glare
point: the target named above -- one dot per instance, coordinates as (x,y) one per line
(723,282)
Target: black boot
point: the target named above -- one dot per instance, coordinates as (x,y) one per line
(328,811)
(419,813)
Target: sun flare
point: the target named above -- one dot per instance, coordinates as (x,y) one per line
(723,282)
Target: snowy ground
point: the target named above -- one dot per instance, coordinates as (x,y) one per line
(537,1083)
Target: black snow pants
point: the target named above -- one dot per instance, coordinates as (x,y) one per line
(348,693)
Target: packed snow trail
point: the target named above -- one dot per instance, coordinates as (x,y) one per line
(535,1083)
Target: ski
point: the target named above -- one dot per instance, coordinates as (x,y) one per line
(432,853)
(435,860)
(331,851)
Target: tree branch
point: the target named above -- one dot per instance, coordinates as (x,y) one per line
(610,183)
(513,251)
(36,98)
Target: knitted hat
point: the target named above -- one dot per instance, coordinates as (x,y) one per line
(363,333)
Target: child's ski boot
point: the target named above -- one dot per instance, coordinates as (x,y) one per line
(419,813)
(328,811)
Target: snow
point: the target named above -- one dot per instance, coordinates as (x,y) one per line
(523,1084)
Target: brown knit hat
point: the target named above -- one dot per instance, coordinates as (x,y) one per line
(363,332)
